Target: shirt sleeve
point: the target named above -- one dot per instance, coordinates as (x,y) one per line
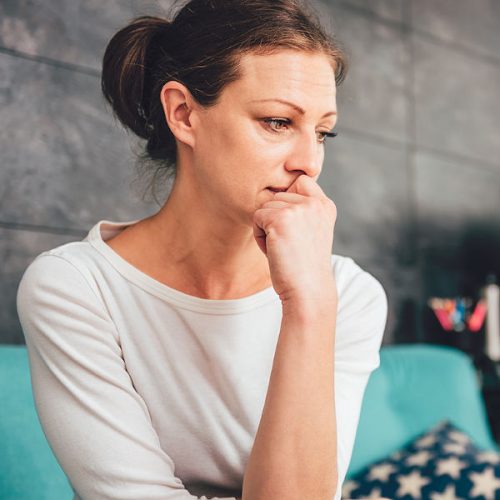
(96,423)
(361,320)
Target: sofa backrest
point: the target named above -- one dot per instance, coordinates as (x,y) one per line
(28,468)
(415,387)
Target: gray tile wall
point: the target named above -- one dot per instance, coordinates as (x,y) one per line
(415,171)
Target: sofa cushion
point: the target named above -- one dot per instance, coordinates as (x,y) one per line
(441,464)
(416,386)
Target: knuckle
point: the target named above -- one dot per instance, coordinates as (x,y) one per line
(316,204)
(289,212)
(331,205)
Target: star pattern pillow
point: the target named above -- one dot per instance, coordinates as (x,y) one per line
(441,464)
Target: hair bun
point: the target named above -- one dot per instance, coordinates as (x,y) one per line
(126,70)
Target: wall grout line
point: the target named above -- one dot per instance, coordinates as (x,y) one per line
(486,166)
(50,62)
(35,228)
(432,37)
(396,144)
(368,14)
(458,47)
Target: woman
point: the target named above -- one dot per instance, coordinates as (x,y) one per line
(216,349)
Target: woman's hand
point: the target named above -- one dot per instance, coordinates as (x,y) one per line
(295,232)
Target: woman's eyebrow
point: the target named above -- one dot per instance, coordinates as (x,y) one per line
(294,106)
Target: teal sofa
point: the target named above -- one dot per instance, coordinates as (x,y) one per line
(415,387)
(29,470)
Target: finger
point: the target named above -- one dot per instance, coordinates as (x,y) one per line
(293,198)
(306,186)
(261,219)
(289,197)
(260,237)
(276,203)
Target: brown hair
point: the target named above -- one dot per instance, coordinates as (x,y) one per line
(200,48)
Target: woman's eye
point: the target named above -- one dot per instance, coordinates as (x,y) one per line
(281,122)
(278,121)
(324,135)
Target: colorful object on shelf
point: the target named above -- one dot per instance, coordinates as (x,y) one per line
(492,297)
(457,314)
(476,320)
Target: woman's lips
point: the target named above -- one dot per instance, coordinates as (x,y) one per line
(277,190)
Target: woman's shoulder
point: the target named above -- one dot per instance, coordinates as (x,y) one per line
(353,280)
(58,266)
(89,256)
(361,316)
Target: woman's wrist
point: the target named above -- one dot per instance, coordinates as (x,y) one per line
(310,306)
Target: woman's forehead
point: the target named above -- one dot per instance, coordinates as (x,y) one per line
(287,65)
(291,74)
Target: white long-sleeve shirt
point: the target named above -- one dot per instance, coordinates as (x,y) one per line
(145,392)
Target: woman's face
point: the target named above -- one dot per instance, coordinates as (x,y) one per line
(249,141)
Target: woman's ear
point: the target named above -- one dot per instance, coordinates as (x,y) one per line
(178,107)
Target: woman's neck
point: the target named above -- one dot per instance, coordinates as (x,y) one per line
(198,253)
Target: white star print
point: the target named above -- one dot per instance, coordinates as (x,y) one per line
(412,484)
(420,458)
(489,456)
(454,448)
(375,493)
(448,494)
(426,441)
(485,483)
(459,437)
(382,472)
(348,487)
(451,466)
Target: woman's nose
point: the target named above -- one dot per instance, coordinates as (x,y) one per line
(306,155)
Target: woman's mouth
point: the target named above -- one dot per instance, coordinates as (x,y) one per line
(277,190)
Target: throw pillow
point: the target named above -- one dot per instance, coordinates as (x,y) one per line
(441,464)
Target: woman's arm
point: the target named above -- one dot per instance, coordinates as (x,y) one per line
(97,424)
(294,453)
(295,449)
